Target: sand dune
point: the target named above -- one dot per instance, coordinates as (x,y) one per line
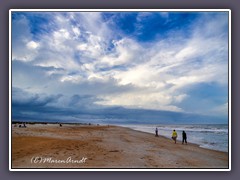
(75,146)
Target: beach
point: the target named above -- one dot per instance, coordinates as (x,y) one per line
(104,146)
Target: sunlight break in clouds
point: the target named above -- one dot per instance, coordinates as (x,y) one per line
(133,60)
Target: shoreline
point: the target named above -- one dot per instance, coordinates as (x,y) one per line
(107,146)
(178,141)
(193,137)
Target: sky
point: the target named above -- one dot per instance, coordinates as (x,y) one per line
(120,67)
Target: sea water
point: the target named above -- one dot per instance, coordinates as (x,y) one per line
(214,136)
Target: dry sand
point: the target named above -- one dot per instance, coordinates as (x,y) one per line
(76,146)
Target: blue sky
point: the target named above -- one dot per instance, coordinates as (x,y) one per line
(146,67)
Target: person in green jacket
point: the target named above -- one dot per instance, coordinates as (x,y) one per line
(174,136)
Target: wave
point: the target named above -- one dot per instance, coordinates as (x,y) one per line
(206,136)
(195,129)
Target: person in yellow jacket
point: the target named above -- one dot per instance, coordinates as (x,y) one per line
(174,136)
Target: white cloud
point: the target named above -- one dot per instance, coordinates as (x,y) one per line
(82,47)
(23,47)
(125,53)
(143,100)
(32,45)
(76,31)
(73,79)
(159,71)
(185,53)
(61,35)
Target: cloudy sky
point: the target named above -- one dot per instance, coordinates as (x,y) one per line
(102,66)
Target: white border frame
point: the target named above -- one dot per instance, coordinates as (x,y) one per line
(119,10)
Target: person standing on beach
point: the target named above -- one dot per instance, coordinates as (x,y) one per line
(174,136)
(156,131)
(184,137)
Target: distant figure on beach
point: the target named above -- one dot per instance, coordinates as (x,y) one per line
(184,137)
(156,132)
(174,136)
(60,125)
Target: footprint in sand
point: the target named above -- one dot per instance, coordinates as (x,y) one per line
(65,152)
(77,147)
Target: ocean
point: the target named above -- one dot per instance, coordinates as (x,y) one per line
(214,136)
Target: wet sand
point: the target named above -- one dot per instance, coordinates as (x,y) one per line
(78,146)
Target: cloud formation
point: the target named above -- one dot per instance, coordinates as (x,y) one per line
(134,60)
